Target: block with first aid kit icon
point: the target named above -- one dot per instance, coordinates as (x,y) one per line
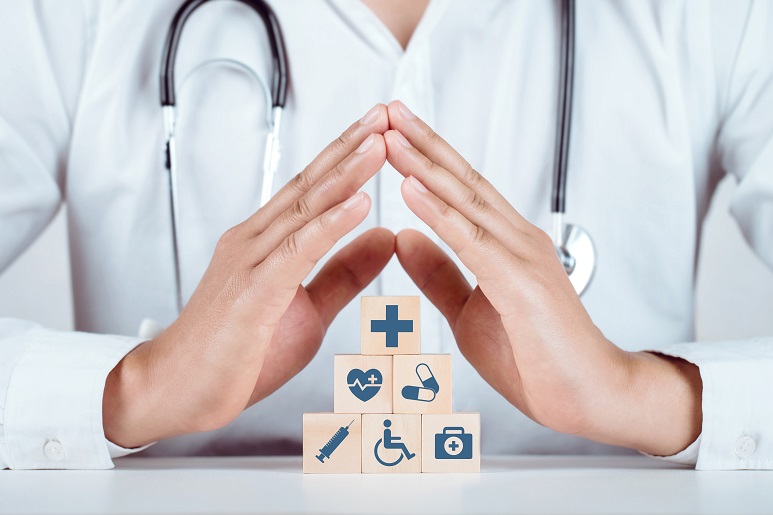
(422,383)
(450,443)
(394,404)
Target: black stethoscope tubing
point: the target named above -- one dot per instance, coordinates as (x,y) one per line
(565,91)
(276,42)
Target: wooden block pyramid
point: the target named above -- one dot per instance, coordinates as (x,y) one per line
(393,406)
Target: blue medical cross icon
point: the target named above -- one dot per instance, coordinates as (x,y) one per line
(453,445)
(392,326)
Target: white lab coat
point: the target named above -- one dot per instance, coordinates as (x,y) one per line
(669,96)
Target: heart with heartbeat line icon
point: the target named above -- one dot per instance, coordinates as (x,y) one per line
(364,385)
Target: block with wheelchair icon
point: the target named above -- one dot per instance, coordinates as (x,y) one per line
(391,443)
(393,405)
(450,442)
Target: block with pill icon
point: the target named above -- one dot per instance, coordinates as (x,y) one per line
(332,443)
(422,383)
(450,442)
(390,325)
(362,384)
(391,443)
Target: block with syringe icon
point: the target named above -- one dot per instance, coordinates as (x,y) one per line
(392,405)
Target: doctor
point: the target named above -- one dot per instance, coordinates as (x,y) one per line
(669,96)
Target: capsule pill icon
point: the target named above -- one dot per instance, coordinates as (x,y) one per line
(428,389)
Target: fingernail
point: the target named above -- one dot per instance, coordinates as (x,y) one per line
(404,142)
(353,202)
(407,114)
(370,116)
(365,145)
(417,185)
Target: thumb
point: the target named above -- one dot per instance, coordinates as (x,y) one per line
(434,272)
(349,271)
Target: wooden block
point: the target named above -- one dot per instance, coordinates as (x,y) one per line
(450,443)
(376,458)
(422,383)
(321,433)
(362,384)
(390,325)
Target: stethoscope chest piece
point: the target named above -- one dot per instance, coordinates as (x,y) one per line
(578,256)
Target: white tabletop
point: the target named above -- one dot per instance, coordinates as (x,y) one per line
(521,484)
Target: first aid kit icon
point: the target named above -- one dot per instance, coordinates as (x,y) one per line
(453,444)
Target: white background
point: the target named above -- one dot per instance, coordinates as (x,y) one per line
(734,293)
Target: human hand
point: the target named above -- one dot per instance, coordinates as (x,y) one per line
(523,327)
(250,325)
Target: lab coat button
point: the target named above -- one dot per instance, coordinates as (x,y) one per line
(744,446)
(54,450)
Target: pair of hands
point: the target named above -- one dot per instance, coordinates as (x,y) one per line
(250,325)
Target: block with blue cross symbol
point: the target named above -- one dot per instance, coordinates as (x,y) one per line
(390,325)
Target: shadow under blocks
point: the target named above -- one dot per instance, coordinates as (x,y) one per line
(393,406)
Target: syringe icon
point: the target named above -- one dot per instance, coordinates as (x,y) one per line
(334,442)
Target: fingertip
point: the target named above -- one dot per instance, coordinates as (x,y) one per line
(398,113)
(407,189)
(390,137)
(366,199)
(364,204)
(352,211)
(383,119)
(381,239)
(379,144)
(409,236)
(413,186)
(396,144)
(405,242)
(371,155)
(393,112)
(377,118)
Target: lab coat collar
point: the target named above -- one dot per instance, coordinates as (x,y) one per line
(369,27)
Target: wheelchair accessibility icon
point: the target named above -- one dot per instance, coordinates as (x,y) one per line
(389,442)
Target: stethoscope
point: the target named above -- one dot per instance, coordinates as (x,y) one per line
(277,95)
(573,243)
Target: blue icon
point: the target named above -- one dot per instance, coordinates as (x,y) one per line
(392,326)
(428,389)
(364,385)
(391,442)
(334,442)
(453,444)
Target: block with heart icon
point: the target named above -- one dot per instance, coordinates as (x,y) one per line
(362,384)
